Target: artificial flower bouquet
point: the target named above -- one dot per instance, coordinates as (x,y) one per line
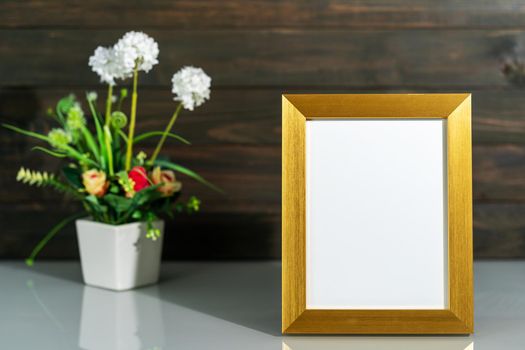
(115,182)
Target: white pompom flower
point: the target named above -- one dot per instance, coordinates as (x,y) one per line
(92,96)
(108,65)
(137,47)
(191,86)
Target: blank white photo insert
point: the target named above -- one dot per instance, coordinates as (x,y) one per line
(376,230)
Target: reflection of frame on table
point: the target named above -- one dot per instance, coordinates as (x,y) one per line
(456,109)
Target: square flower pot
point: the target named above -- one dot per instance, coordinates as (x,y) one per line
(118,257)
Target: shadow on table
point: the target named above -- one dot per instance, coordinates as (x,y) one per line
(247,294)
(244,293)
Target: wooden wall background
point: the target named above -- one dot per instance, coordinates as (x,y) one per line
(254,51)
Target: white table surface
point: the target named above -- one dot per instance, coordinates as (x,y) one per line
(216,306)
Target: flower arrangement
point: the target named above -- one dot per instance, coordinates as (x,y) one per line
(115,183)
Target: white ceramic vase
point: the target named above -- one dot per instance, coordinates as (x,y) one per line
(118,257)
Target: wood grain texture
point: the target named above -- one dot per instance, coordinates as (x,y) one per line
(250,175)
(378,322)
(252,116)
(335,106)
(263,13)
(231,116)
(331,46)
(335,58)
(499,231)
(459,208)
(459,317)
(293,214)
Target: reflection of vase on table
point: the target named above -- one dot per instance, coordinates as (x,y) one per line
(127,320)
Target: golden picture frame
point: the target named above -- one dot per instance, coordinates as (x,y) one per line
(454,110)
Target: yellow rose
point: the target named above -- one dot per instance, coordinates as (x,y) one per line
(169,185)
(95,182)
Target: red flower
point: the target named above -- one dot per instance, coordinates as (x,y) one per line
(139,177)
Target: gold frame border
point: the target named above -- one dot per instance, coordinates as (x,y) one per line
(459,317)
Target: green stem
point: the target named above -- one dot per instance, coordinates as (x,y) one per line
(123,135)
(165,134)
(109,150)
(90,141)
(120,100)
(48,151)
(129,151)
(75,154)
(108,103)
(49,235)
(107,133)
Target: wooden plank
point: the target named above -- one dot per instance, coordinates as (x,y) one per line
(499,173)
(251,176)
(262,13)
(239,116)
(498,117)
(248,116)
(499,232)
(343,59)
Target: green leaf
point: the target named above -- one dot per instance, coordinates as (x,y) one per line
(73,176)
(48,151)
(73,153)
(119,203)
(90,142)
(30,260)
(26,132)
(148,194)
(187,172)
(147,135)
(92,200)
(100,134)
(66,103)
(145,195)
(166,207)
(96,205)
(63,106)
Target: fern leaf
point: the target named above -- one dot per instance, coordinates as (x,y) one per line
(44,179)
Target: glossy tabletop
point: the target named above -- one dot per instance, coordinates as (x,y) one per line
(216,306)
